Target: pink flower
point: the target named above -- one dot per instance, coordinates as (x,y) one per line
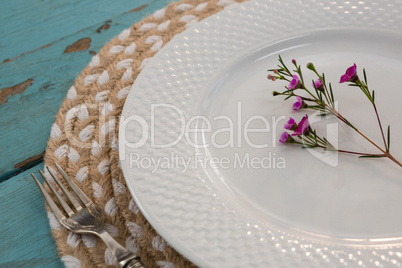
(318,84)
(285,137)
(291,124)
(303,128)
(350,75)
(298,104)
(295,83)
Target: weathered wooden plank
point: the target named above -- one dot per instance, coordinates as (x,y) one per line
(16,89)
(36,73)
(23,166)
(26,118)
(25,238)
(26,26)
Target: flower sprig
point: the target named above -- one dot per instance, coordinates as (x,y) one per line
(320,97)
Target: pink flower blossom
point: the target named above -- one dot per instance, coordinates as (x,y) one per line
(295,83)
(318,84)
(298,104)
(350,75)
(303,128)
(291,124)
(285,137)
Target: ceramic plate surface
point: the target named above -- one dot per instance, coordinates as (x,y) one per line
(199,139)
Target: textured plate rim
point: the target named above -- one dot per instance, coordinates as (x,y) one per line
(189,33)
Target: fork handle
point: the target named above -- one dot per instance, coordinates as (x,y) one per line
(125,258)
(134,263)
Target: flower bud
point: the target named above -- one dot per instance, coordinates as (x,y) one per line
(311,66)
(275,93)
(271,77)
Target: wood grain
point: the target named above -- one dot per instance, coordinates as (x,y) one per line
(137,8)
(105,26)
(25,239)
(29,160)
(39,45)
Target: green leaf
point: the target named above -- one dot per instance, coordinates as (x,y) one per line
(288,91)
(312,81)
(389,137)
(308,146)
(365,76)
(317,107)
(372,96)
(332,93)
(349,124)
(316,91)
(282,72)
(325,139)
(372,156)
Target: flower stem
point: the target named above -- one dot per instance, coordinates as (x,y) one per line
(393,159)
(334,149)
(369,140)
(385,152)
(379,123)
(364,154)
(357,153)
(366,91)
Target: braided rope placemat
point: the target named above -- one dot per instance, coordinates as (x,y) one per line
(83,139)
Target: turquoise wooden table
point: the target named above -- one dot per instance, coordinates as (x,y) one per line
(44,45)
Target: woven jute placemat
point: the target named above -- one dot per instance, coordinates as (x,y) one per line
(83,139)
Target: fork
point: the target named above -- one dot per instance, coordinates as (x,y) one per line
(83,217)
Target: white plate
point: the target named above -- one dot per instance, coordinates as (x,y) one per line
(236,205)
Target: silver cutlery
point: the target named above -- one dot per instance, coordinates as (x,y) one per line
(83,217)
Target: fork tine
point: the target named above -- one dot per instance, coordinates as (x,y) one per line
(81,195)
(56,211)
(73,201)
(59,198)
